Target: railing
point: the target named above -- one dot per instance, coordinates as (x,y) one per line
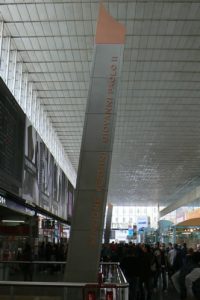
(42,271)
(51,271)
(112,284)
(111,272)
(17,290)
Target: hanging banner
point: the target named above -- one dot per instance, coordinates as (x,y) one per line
(96,152)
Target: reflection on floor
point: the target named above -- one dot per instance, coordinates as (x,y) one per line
(56,293)
(170,294)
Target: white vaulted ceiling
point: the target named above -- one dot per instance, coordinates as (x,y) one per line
(156,157)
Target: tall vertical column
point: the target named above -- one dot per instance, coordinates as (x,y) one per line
(174,234)
(96,151)
(108,223)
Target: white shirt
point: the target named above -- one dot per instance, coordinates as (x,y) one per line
(171,256)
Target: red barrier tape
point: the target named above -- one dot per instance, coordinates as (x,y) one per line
(100,278)
(109,295)
(91,296)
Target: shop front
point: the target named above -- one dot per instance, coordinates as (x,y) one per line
(188,232)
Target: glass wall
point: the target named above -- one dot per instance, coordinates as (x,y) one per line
(185,225)
(192,210)
(127,216)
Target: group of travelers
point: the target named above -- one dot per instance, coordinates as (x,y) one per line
(49,252)
(52,252)
(148,268)
(45,252)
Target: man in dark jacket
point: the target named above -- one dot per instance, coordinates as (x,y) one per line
(145,274)
(131,267)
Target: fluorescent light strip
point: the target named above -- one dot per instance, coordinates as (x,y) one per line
(12,221)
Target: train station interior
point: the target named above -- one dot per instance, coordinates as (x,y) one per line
(99,147)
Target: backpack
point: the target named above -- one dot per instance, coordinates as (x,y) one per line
(196,288)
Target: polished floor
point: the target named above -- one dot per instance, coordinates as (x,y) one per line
(170,294)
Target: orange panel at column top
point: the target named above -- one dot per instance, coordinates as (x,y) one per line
(109,31)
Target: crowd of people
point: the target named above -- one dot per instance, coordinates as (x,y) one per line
(149,267)
(49,252)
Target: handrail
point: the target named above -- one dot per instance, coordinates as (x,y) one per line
(33,262)
(112,283)
(63,284)
(109,263)
(51,262)
(110,272)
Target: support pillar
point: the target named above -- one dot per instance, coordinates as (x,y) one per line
(174,234)
(108,223)
(4,61)
(96,151)
(1,36)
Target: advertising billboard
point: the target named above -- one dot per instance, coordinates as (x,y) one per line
(70,203)
(46,177)
(27,168)
(12,124)
(44,182)
(30,191)
(143,222)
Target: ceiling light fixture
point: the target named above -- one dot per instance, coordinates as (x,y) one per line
(13,221)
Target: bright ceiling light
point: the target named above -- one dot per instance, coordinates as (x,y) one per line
(12,221)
